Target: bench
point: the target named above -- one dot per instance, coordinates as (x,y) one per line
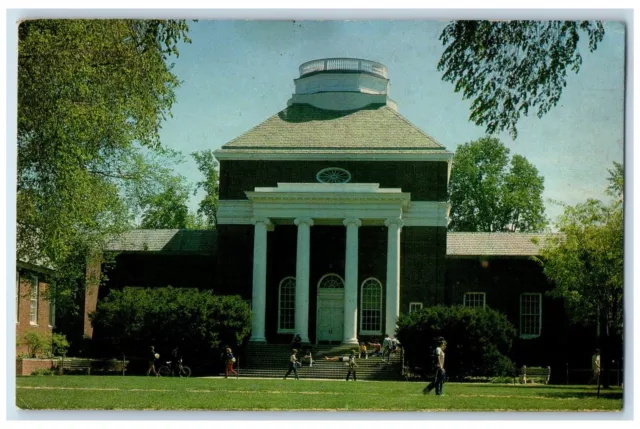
(109,365)
(530,374)
(75,365)
(100,365)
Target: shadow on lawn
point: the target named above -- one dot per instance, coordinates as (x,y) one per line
(560,391)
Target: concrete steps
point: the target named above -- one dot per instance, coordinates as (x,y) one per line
(272,361)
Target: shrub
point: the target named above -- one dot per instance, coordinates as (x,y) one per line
(479,340)
(198,322)
(37,344)
(60,345)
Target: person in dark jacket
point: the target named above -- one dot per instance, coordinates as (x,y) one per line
(152,362)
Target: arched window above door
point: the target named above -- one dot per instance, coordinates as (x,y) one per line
(331,281)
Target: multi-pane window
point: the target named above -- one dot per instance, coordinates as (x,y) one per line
(415,306)
(371,307)
(475,299)
(52,310)
(530,315)
(287,305)
(35,294)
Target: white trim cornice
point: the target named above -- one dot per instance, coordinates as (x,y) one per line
(291,155)
(418,213)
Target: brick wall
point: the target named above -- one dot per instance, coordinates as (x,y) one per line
(503,280)
(427,181)
(27,366)
(24,324)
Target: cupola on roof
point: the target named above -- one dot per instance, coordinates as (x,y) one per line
(340,109)
(342,84)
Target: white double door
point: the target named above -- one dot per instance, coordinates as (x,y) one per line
(330,315)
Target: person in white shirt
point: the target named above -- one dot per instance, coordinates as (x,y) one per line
(293,365)
(595,365)
(386,347)
(352,366)
(440,372)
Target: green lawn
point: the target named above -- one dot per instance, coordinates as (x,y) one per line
(150,393)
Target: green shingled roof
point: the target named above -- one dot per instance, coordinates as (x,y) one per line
(304,127)
(164,241)
(494,243)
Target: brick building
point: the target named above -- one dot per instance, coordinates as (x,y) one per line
(332,222)
(35,312)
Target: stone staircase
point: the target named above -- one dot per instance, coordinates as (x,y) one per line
(272,361)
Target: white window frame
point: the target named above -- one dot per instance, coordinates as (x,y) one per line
(525,314)
(282,330)
(362,309)
(34,298)
(475,294)
(52,308)
(415,306)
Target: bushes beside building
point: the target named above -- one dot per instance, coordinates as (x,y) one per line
(198,322)
(479,340)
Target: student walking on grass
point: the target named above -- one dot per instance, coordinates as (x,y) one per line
(229,361)
(152,362)
(293,365)
(440,373)
(352,366)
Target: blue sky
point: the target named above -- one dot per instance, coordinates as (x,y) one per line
(238,73)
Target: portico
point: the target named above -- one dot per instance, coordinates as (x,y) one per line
(340,205)
(327,206)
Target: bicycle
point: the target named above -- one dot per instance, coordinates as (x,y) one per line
(174,370)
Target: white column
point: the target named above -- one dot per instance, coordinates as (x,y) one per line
(393,273)
(259,292)
(302,277)
(351,282)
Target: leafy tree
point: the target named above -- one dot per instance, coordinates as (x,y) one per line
(479,340)
(490,193)
(60,345)
(167,209)
(509,67)
(198,322)
(616,181)
(37,344)
(585,263)
(92,95)
(208,166)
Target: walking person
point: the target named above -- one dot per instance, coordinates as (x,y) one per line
(152,362)
(386,347)
(440,372)
(595,366)
(293,365)
(352,366)
(229,361)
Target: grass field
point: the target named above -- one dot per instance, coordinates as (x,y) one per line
(150,393)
